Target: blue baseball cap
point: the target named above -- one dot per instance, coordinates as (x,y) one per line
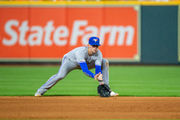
(94,41)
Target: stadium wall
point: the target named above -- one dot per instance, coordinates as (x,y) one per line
(159,34)
(149,30)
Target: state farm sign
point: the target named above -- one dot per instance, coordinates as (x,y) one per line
(52,32)
(37,33)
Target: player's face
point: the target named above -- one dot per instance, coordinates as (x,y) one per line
(92,49)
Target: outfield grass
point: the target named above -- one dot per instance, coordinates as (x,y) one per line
(126,80)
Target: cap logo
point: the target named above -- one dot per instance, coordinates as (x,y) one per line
(95,40)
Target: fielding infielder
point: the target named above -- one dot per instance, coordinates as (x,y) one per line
(82,57)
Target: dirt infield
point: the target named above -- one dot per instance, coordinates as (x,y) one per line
(68,107)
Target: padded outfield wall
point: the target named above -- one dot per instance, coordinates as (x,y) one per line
(130,32)
(159,34)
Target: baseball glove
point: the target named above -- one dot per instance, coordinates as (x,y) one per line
(104,90)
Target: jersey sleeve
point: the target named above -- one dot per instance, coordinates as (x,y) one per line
(80,57)
(99,58)
(98,63)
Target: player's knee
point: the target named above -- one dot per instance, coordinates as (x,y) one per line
(60,77)
(105,63)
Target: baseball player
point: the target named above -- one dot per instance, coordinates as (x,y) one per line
(85,58)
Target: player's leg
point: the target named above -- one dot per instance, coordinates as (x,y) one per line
(105,72)
(65,68)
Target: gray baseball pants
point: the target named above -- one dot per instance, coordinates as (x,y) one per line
(66,66)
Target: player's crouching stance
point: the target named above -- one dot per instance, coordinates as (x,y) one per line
(82,57)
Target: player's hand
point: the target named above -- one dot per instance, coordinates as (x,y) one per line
(96,76)
(99,77)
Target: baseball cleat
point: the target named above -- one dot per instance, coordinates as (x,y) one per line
(37,94)
(113,94)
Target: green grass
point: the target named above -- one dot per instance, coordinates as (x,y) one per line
(126,80)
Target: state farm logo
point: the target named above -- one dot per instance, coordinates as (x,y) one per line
(22,34)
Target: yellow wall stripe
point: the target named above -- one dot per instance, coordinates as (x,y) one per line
(89,3)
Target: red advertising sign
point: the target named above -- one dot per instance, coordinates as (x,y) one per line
(50,32)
